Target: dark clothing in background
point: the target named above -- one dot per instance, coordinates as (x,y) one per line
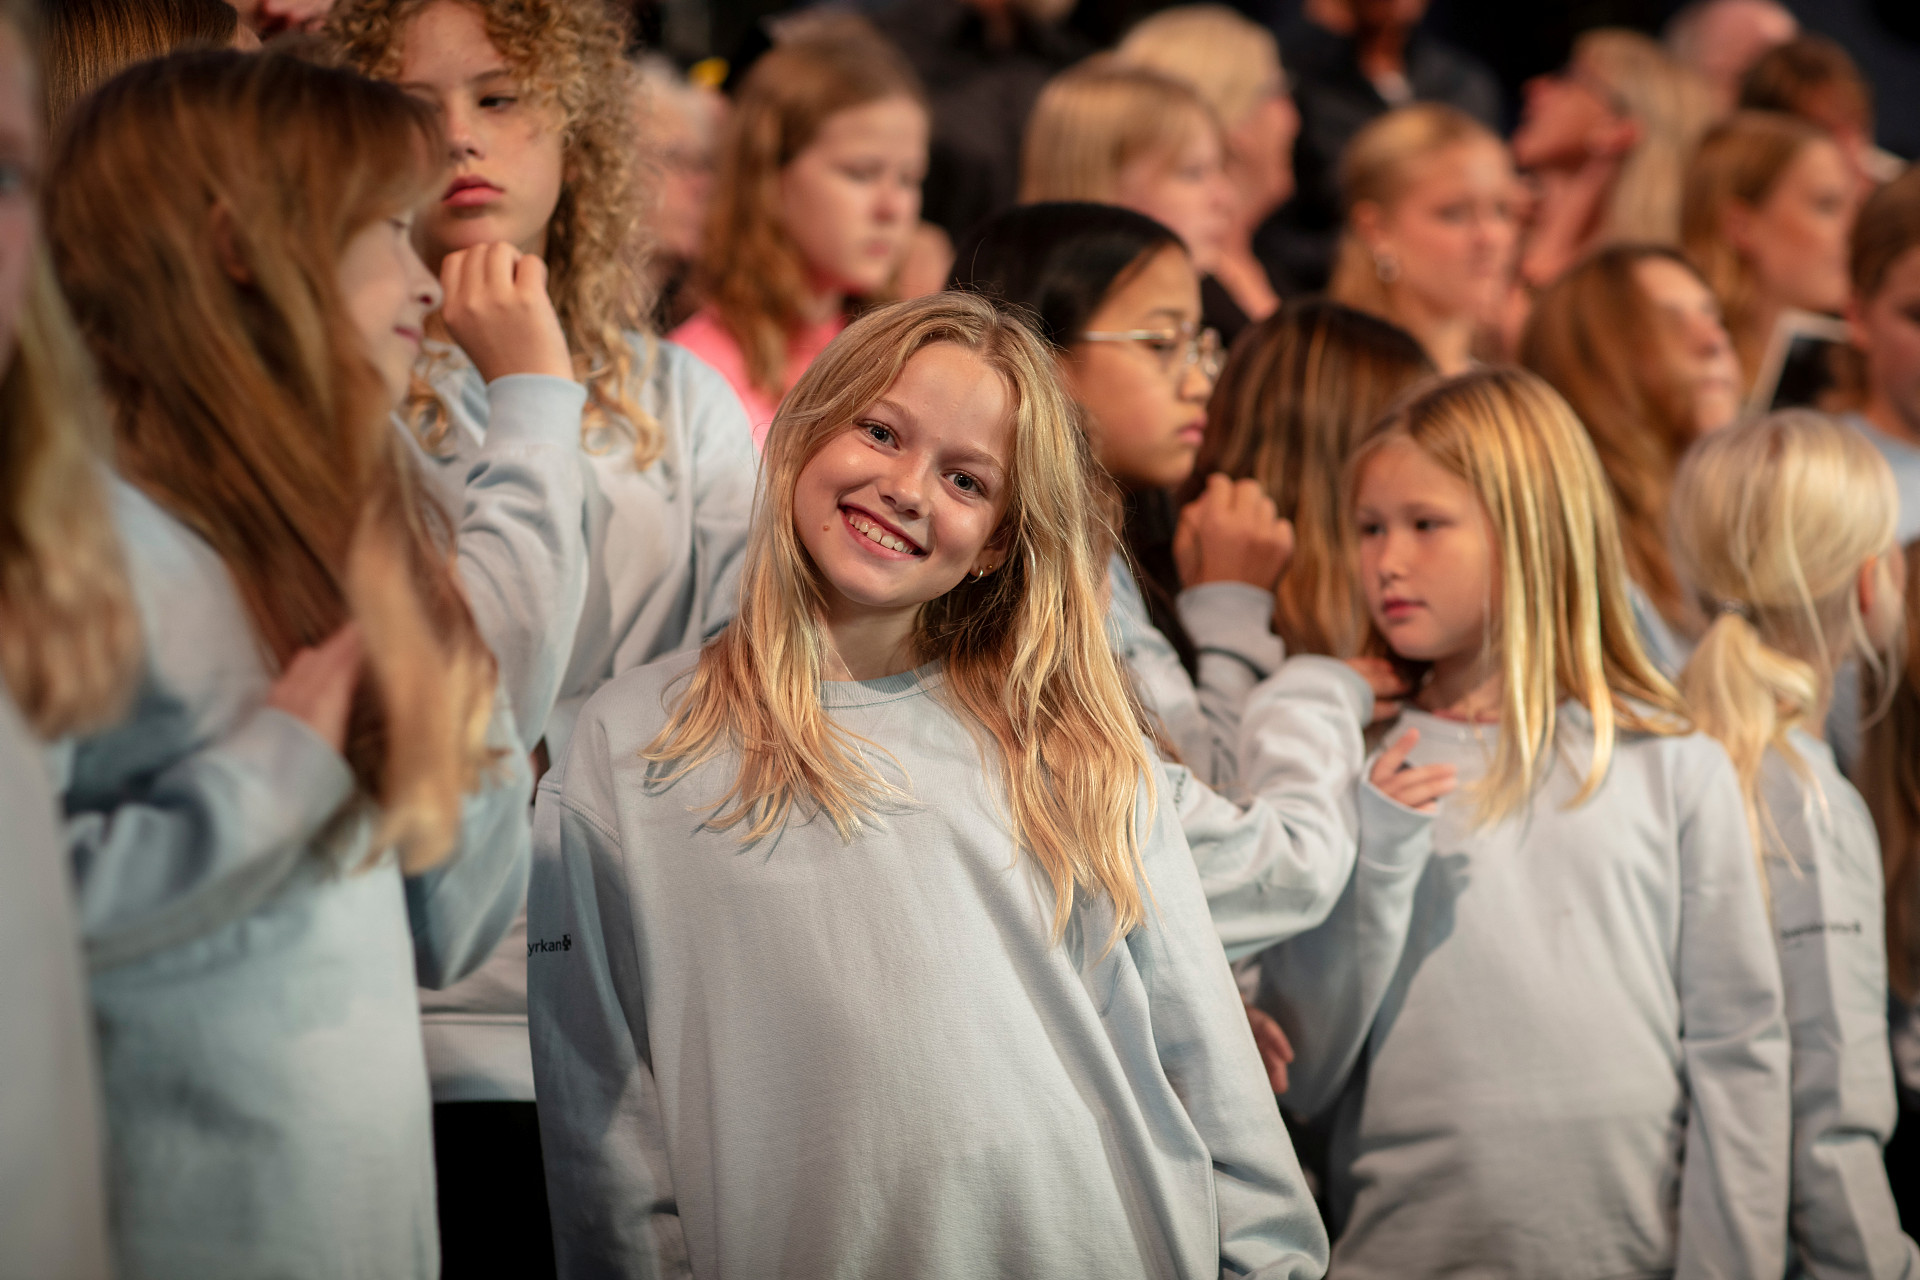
(1219,311)
(1336,101)
(981,96)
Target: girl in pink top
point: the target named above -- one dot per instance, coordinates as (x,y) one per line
(817,203)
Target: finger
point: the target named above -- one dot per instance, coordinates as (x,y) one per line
(1277,1076)
(1415,792)
(1395,755)
(500,261)
(453,274)
(530,275)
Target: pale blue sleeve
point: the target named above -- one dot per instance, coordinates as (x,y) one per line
(165,851)
(1733,1036)
(602,1130)
(1828,926)
(1274,869)
(1165,688)
(725,468)
(1231,624)
(520,536)
(1326,986)
(1269,1226)
(461,909)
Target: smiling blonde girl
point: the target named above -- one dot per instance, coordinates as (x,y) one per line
(1553,1047)
(861,944)
(1785,529)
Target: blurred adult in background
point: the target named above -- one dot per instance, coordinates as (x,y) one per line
(1112,133)
(983,63)
(1767,207)
(1633,338)
(1883,317)
(1351,61)
(1813,77)
(1430,230)
(1607,139)
(87,42)
(681,123)
(1720,39)
(817,202)
(1297,390)
(1235,65)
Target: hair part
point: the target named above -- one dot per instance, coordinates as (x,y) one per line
(1562,626)
(1025,650)
(1298,389)
(1772,522)
(244,402)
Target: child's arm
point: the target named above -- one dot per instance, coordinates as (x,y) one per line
(461,909)
(1828,923)
(1325,986)
(1269,1226)
(602,1133)
(1274,869)
(1733,1038)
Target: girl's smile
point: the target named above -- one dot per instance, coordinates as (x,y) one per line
(878,537)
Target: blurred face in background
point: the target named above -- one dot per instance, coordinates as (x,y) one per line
(1449,240)
(1795,238)
(1260,151)
(1569,117)
(1886,329)
(685,125)
(851,199)
(19,183)
(1694,337)
(1186,190)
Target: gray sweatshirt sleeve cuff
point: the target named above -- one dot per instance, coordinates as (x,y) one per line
(1393,837)
(1236,619)
(529,408)
(308,780)
(1330,676)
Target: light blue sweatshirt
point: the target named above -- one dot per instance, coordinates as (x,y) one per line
(663,552)
(516,495)
(1823,867)
(811,1057)
(254,981)
(53,1222)
(1553,1046)
(1231,624)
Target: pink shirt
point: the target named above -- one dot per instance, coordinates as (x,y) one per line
(707,337)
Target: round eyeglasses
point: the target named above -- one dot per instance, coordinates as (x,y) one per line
(1178,350)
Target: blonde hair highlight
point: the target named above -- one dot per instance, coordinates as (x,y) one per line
(1099,116)
(1025,650)
(1673,107)
(1231,62)
(1562,626)
(1772,522)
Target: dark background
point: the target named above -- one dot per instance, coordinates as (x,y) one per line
(1516,38)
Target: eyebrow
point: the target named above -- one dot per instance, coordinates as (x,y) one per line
(473,82)
(968,454)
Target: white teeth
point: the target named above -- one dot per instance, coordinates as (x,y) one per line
(874,533)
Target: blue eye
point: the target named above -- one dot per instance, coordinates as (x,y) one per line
(878,431)
(966,483)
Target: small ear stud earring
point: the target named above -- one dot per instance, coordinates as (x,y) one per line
(982,572)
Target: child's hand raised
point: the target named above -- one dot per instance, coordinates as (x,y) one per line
(1389,690)
(1276,1051)
(1418,787)
(1232,533)
(498,310)
(318,682)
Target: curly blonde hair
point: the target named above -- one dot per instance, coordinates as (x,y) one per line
(567,54)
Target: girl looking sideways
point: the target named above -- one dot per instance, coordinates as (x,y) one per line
(914,757)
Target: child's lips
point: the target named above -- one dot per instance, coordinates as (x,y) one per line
(466,192)
(871,529)
(1395,607)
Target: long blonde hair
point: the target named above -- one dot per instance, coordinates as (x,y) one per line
(751,271)
(1025,650)
(1740,161)
(569,55)
(1377,168)
(1096,118)
(1888,776)
(1772,522)
(1673,108)
(1562,624)
(244,401)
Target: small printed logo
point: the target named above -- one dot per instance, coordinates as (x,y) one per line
(548,944)
(1824,926)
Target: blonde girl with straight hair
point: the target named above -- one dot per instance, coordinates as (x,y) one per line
(814,210)
(898,824)
(1429,238)
(1557,1033)
(69,649)
(319,794)
(1785,528)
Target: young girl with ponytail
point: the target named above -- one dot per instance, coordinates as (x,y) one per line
(866,942)
(1544,1020)
(1784,528)
(319,794)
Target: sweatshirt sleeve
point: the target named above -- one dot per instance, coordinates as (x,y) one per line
(602,1131)
(1828,926)
(461,909)
(1733,1040)
(1231,624)
(1275,868)
(520,538)
(160,857)
(1269,1226)
(1326,986)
